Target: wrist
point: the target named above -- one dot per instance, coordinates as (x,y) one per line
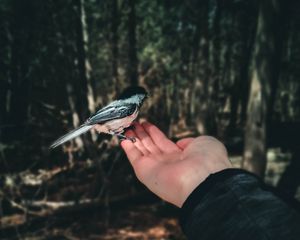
(209,191)
(192,181)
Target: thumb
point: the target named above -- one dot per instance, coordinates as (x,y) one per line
(183,143)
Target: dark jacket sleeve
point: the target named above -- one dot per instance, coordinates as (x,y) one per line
(234,204)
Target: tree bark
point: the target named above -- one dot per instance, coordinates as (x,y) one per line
(247,48)
(114,44)
(231,76)
(19,69)
(4,74)
(254,157)
(85,103)
(132,55)
(206,119)
(198,96)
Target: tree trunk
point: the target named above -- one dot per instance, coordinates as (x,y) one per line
(85,100)
(217,44)
(231,70)
(114,44)
(200,89)
(248,37)
(19,69)
(254,157)
(132,55)
(4,74)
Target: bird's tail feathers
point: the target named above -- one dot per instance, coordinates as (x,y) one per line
(74,133)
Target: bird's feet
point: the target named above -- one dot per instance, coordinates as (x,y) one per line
(123,137)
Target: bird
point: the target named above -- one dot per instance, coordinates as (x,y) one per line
(112,119)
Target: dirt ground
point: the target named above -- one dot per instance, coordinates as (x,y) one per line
(143,222)
(155,220)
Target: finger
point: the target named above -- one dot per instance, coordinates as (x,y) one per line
(160,139)
(146,139)
(138,143)
(183,143)
(132,152)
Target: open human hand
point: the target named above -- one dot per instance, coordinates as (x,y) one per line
(173,170)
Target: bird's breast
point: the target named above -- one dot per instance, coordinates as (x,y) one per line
(117,125)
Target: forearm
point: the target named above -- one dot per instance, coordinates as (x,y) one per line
(233,204)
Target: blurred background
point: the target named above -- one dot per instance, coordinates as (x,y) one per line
(224,68)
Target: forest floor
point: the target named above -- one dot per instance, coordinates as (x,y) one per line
(132,221)
(139,222)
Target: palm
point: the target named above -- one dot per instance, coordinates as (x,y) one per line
(162,173)
(170,170)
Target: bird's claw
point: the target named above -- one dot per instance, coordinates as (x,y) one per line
(132,139)
(123,137)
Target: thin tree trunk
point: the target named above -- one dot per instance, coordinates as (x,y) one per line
(200,94)
(217,45)
(20,82)
(114,44)
(85,101)
(281,36)
(248,44)
(231,70)
(194,71)
(207,116)
(132,55)
(3,103)
(254,158)
(4,76)
(75,116)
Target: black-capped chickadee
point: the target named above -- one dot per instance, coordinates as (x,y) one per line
(113,118)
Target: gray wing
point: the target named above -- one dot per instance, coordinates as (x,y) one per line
(111,112)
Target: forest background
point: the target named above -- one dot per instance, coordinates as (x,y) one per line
(224,68)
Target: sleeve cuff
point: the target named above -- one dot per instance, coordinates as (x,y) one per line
(196,196)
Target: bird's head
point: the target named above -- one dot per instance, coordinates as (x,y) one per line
(134,94)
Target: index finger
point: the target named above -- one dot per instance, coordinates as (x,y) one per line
(160,139)
(132,152)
